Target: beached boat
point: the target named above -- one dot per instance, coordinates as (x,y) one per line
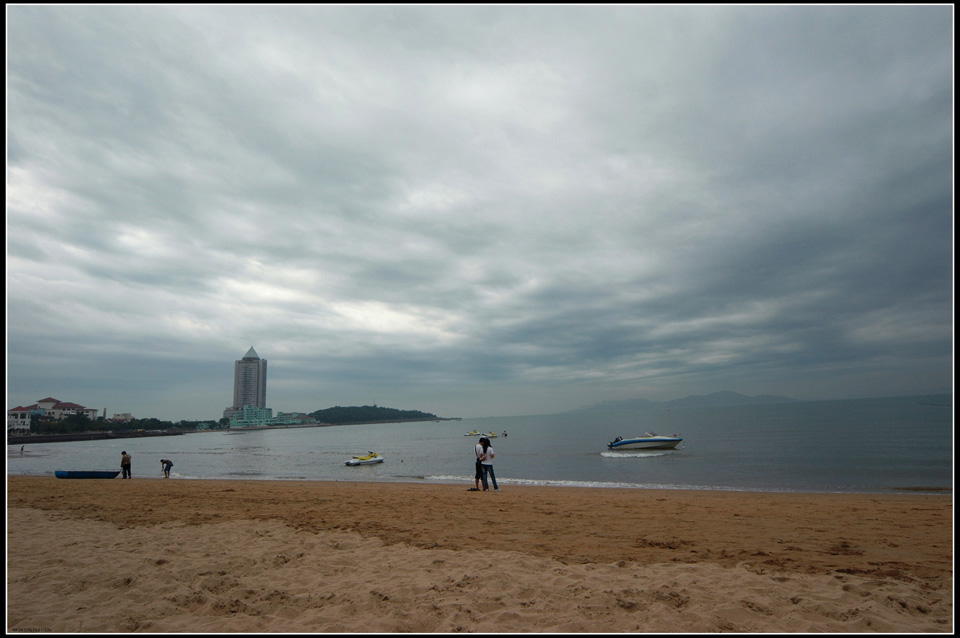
(87,474)
(649,441)
(369,459)
(474,433)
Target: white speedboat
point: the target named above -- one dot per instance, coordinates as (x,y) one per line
(369,459)
(649,441)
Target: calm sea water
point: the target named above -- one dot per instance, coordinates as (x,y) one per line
(864,445)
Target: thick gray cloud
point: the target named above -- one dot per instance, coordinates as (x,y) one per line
(477,210)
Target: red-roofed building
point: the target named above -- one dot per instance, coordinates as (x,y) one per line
(19,417)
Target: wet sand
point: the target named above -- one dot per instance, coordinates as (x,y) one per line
(159,555)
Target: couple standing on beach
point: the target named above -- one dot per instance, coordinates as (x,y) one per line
(484,454)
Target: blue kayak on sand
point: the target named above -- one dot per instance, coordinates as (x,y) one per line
(87,474)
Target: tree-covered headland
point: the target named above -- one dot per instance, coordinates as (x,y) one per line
(368,414)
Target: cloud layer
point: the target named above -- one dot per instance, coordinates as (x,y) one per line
(477,210)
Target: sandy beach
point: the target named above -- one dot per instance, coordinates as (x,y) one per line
(159,555)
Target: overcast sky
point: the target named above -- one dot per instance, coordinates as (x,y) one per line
(477,210)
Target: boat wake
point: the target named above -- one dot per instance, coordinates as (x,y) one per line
(635,454)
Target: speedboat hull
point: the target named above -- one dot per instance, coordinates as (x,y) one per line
(653,442)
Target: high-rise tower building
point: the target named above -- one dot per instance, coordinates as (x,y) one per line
(249,383)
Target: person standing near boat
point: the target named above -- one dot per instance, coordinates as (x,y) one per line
(125,464)
(487,462)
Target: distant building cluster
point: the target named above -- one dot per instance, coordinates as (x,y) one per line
(251,416)
(19,417)
(249,407)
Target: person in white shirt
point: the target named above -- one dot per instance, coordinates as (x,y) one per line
(478,453)
(487,462)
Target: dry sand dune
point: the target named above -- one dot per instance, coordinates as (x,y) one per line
(269,556)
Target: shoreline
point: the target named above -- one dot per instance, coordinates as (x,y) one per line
(525,483)
(69,437)
(96,435)
(349,556)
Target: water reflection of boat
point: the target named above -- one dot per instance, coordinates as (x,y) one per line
(649,441)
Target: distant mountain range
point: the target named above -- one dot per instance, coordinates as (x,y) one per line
(692,401)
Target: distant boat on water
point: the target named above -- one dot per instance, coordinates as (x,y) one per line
(649,441)
(370,459)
